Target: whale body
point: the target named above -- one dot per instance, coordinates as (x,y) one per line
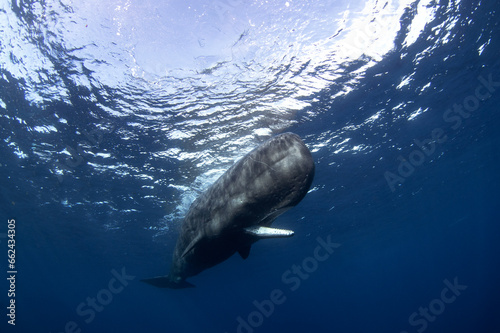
(239,208)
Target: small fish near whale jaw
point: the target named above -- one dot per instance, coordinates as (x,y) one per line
(239,208)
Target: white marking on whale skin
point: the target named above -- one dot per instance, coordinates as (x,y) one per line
(270,167)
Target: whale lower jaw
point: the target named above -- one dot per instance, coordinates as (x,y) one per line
(266,232)
(167,282)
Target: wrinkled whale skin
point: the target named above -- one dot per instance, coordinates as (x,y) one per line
(238,209)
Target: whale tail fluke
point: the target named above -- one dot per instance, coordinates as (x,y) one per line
(167,282)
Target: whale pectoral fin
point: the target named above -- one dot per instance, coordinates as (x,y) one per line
(167,282)
(244,252)
(266,232)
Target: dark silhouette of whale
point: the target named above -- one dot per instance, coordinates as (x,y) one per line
(238,209)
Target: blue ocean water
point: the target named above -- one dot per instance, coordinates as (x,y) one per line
(116,115)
